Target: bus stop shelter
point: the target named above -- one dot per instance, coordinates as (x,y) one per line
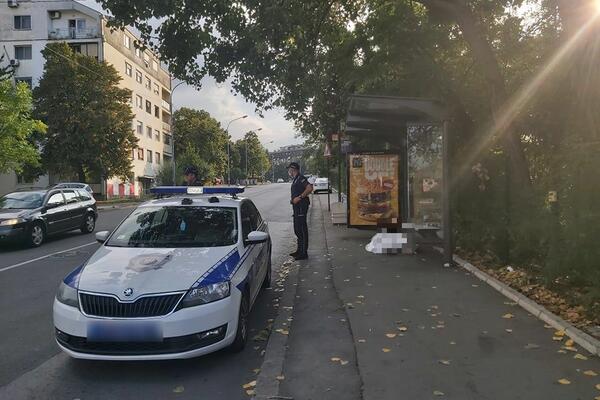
(417,130)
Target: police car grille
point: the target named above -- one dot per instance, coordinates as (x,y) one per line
(106,306)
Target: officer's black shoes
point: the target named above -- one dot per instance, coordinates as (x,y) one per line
(294,254)
(301,257)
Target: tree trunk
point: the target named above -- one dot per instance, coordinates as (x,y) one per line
(81,173)
(484,55)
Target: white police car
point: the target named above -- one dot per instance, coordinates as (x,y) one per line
(176,279)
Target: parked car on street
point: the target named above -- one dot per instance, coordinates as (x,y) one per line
(29,216)
(280,180)
(74,185)
(176,279)
(321,185)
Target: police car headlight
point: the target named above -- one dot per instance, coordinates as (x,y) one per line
(206,294)
(67,295)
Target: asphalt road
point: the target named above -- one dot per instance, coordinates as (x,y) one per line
(33,367)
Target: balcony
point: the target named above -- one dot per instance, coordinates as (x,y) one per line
(73,33)
(168,149)
(165,105)
(166,127)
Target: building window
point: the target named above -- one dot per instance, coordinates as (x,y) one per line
(157,135)
(140,128)
(138,101)
(140,153)
(149,159)
(148,107)
(126,41)
(138,76)
(23,22)
(27,80)
(157,157)
(148,83)
(137,52)
(156,111)
(154,65)
(156,88)
(146,60)
(149,131)
(128,69)
(23,52)
(166,138)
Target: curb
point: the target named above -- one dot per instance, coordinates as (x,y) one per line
(117,206)
(267,384)
(586,341)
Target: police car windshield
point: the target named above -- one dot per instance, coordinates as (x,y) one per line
(177,227)
(21,200)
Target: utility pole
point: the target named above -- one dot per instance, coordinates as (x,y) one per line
(173,131)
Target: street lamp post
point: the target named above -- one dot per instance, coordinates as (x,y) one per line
(228,151)
(173,131)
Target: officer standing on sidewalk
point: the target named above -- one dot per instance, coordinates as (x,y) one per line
(301,188)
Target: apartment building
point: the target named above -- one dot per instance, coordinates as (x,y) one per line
(25,29)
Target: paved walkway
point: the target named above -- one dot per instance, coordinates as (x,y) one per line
(416,331)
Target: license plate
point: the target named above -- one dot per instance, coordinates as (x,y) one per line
(124,331)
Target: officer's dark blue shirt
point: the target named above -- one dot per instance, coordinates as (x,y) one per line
(299,184)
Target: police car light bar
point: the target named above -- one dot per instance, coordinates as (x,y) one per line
(231,190)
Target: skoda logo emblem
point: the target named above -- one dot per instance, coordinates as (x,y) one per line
(128,292)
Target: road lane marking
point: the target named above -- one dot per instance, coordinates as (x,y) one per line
(46,256)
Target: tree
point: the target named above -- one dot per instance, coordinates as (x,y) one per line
(253,156)
(88,115)
(17,130)
(6,71)
(197,130)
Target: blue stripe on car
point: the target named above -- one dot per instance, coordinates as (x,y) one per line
(73,278)
(221,271)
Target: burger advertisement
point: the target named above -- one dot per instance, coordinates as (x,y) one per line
(373,187)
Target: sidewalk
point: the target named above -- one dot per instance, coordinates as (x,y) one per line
(403,327)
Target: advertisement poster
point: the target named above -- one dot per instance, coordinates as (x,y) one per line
(373,189)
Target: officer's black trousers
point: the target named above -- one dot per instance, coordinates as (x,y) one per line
(301,227)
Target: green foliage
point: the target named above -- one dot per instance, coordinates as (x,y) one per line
(88,116)
(6,71)
(198,131)
(18,129)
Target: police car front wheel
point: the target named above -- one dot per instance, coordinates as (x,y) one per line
(241,335)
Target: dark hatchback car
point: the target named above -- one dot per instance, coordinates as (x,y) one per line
(30,216)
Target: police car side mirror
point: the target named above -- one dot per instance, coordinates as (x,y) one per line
(102,236)
(256,237)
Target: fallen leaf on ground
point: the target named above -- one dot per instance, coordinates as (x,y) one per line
(509,330)
(390,335)
(531,346)
(589,372)
(386,350)
(402,328)
(452,343)
(249,385)
(562,352)
(444,362)
(280,377)
(282,331)
(548,326)
(559,333)
(178,389)
(580,357)
(250,392)
(335,359)
(438,393)
(405,310)
(573,349)
(598,386)
(508,316)
(557,338)
(256,370)
(343,362)
(361,340)
(569,343)
(475,285)
(564,381)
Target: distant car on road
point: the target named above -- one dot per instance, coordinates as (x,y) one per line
(30,216)
(321,185)
(280,180)
(74,185)
(176,279)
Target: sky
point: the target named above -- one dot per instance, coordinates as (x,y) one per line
(224,106)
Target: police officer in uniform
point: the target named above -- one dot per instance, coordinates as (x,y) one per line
(301,188)
(191,176)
